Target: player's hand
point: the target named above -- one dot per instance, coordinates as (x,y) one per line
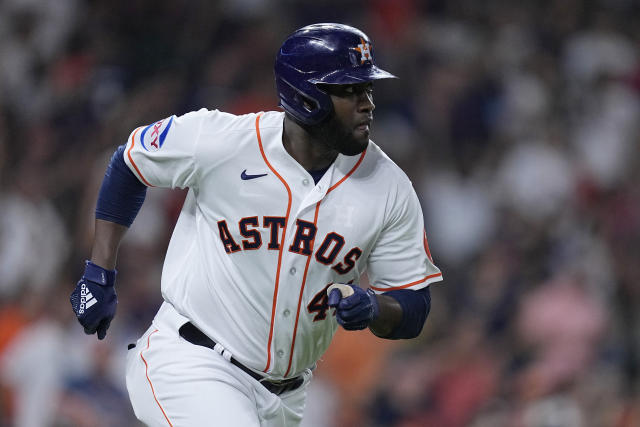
(94,299)
(355,311)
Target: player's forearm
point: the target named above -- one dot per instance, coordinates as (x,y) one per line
(121,197)
(389,318)
(402,313)
(106,242)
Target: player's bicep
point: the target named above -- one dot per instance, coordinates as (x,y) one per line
(163,153)
(400,258)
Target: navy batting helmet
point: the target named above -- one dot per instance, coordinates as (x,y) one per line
(322,53)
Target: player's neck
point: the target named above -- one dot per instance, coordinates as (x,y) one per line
(301,145)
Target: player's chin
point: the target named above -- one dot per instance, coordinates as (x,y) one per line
(356,145)
(361,133)
(359,139)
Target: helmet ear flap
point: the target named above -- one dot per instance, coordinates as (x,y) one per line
(310,105)
(305,107)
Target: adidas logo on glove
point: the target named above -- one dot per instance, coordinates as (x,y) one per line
(86,299)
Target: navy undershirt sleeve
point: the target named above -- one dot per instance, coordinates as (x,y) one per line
(415,309)
(121,194)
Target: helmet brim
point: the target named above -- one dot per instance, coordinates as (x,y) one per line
(353,75)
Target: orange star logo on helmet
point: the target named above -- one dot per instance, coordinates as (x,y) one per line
(365,51)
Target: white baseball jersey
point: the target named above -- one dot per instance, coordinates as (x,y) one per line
(258,243)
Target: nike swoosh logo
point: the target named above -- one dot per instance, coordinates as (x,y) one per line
(245,176)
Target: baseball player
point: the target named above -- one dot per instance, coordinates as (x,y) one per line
(285,211)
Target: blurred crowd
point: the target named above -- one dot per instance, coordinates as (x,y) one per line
(517,122)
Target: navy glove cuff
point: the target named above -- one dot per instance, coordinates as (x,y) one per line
(375,308)
(96,274)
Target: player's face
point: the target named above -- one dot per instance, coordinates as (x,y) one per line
(347,131)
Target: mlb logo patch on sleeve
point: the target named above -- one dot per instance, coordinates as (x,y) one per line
(153,136)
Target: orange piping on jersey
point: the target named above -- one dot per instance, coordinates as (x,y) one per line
(146,372)
(306,268)
(426,246)
(304,281)
(133,142)
(408,284)
(344,178)
(284,233)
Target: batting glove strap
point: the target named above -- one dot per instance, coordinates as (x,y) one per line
(96,274)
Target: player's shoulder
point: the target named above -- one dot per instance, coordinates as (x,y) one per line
(384,167)
(198,123)
(392,185)
(215,121)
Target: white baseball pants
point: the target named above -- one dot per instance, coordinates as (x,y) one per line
(173,383)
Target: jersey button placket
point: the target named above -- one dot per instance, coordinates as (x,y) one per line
(292,271)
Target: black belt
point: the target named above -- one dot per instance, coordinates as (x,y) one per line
(189,332)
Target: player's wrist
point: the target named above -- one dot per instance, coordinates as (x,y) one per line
(99,275)
(389,316)
(375,306)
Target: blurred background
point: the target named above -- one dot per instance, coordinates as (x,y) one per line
(517,123)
